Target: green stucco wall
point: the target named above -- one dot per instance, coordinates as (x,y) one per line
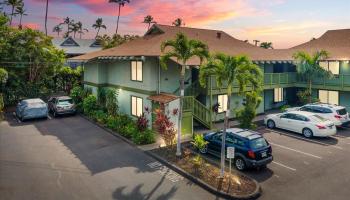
(187,123)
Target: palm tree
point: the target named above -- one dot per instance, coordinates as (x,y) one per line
(69,22)
(81,29)
(121,3)
(21,12)
(149,20)
(178,22)
(229,69)
(308,66)
(13,4)
(57,29)
(98,25)
(47,9)
(182,49)
(73,28)
(266,45)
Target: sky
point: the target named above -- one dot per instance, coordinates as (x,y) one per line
(285,23)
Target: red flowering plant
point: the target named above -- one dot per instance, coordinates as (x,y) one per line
(142,122)
(165,127)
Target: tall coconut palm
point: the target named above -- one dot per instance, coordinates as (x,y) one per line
(69,22)
(13,4)
(229,69)
(73,28)
(308,66)
(121,3)
(149,20)
(178,22)
(182,49)
(21,12)
(266,45)
(57,29)
(46,11)
(81,30)
(98,25)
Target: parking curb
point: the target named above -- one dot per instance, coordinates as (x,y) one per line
(204,185)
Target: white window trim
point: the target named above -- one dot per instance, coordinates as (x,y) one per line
(280,95)
(135,111)
(139,66)
(325,65)
(328,95)
(222,105)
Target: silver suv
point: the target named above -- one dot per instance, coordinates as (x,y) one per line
(334,113)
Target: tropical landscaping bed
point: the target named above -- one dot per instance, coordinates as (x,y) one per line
(235,185)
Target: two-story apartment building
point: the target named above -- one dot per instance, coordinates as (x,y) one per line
(134,69)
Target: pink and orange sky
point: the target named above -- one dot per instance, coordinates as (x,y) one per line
(284,22)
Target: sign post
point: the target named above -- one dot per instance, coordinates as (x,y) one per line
(230,154)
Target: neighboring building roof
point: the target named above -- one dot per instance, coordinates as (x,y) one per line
(218,41)
(163,98)
(75,46)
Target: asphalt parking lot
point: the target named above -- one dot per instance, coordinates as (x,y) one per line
(71,158)
(309,169)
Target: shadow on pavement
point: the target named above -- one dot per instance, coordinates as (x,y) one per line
(136,193)
(94,147)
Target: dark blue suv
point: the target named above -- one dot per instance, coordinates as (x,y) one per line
(251,149)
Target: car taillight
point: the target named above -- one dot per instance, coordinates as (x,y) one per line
(321,126)
(337,116)
(251,154)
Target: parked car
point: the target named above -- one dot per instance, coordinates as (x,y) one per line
(306,123)
(337,114)
(61,105)
(251,149)
(31,109)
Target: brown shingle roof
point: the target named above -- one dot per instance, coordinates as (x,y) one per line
(337,42)
(163,98)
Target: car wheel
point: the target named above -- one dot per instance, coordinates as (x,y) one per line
(307,133)
(271,124)
(204,150)
(240,164)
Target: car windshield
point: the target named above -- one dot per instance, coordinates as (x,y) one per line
(342,111)
(258,143)
(318,118)
(65,101)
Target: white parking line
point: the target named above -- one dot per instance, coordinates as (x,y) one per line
(49,117)
(285,166)
(305,139)
(307,154)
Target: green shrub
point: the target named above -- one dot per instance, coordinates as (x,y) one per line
(246,115)
(112,122)
(1,103)
(100,116)
(112,102)
(284,108)
(128,130)
(90,105)
(199,142)
(145,137)
(101,97)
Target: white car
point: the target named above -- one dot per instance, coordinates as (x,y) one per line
(337,114)
(306,123)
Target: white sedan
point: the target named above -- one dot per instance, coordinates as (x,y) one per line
(308,124)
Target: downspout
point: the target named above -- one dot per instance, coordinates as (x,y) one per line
(158,89)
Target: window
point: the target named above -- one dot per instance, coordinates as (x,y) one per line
(136,71)
(332,66)
(278,95)
(136,106)
(327,96)
(222,101)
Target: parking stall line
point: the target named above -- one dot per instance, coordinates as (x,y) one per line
(282,165)
(305,139)
(301,152)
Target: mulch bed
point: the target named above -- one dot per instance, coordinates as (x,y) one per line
(235,184)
